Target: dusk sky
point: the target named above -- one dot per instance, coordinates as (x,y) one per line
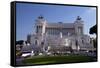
(26,14)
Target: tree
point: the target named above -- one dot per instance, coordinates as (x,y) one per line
(20,42)
(93,29)
(95,43)
(18,52)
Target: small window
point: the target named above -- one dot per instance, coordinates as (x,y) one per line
(35,42)
(42,43)
(82,41)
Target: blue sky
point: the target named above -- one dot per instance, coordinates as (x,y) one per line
(26,14)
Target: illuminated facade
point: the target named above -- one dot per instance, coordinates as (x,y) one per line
(60,37)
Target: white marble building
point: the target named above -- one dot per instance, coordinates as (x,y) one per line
(60,37)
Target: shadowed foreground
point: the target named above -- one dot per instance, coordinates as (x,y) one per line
(37,60)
